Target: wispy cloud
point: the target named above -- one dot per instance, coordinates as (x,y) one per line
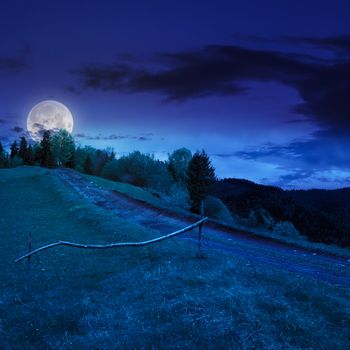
(18,129)
(112,137)
(15,62)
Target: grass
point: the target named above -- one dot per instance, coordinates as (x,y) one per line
(145,196)
(145,298)
(128,189)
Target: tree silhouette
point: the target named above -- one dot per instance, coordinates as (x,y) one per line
(88,165)
(63,148)
(45,154)
(200,175)
(178,165)
(29,156)
(14,150)
(23,149)
(2,157)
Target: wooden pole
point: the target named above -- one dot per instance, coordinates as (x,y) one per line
(28,268)
(200,252)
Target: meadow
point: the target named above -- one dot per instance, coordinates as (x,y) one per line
(159,297)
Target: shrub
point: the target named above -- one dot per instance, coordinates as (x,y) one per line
(140,170)
(178,196)
(216,209)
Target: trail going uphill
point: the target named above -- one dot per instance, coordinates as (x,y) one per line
(279,255)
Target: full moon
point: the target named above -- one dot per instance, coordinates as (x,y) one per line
(48,115)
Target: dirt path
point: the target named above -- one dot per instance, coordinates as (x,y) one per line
(288,257)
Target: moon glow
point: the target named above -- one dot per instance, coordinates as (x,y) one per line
(48,115)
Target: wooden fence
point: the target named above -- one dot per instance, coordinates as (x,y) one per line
(117,245)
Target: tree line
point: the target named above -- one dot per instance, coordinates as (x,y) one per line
(184,178)
(56,150)
(320,215)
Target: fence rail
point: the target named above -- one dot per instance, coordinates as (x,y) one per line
(119,245)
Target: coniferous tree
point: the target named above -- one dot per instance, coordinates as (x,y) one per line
(101,159)
(88,165)
(112,154)
(2,157)
(37,152)
(29,156)
(45,154)
(14,150)
(200,175)
(22,152)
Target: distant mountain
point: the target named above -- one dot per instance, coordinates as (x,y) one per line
(322,199)
(321,215)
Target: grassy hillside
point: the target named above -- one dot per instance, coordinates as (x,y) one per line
(125,188)
(221,214)
(146,298)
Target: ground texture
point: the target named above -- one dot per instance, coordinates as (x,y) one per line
(246,293)
(288,257)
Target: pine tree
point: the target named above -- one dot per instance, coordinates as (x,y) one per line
(101,159)
(2,157)
(23,149)
(45,154)
(200,175)
(88,165)
(37,152)
(14,150)
(29,156)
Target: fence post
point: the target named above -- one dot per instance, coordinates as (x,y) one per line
(28,269)
(200,253)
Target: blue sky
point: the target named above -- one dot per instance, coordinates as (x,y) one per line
(262,86)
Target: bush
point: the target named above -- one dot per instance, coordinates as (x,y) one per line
(98,160)
(216,209)
(140,170)
(285,228)
(178,197)
(15,162)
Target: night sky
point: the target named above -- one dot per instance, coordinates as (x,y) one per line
(262,86)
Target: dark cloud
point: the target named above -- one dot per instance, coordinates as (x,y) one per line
(15,62)
(39,126)
(72,89)
(17,129)
(222,70)
(105,78)
(327,149)
(298,121)
(334,43)
(116,137)
(326,96)
(12,64)
(89,137)
(214,70)
(8,119)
